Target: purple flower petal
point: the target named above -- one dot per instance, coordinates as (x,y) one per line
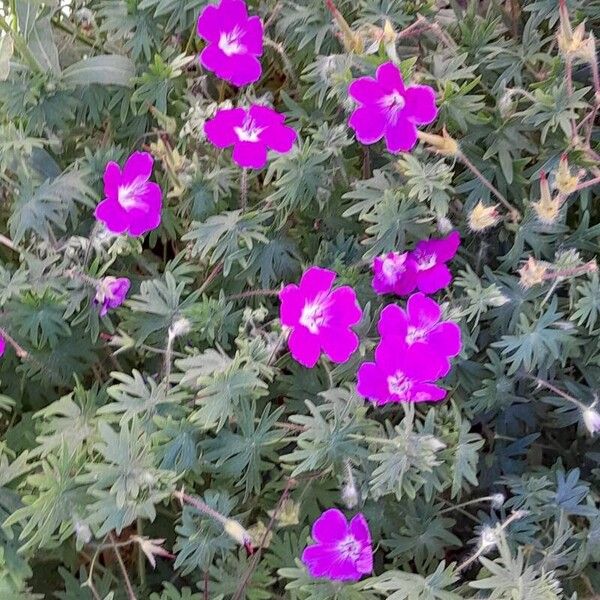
(427,392)
(112,215)
(368,124)
(401,137)
(389,77)
(393,321)
(446,248)
(208,24)
(220,130)
(112,178)
(318,559)
(330,527)
(360,529)
(347,311)
(344,570)
(423,312)
(420,105)
(304,346)
(371,382)
(252,37)
(292,302)
(434,279)
(244,70)
(339,344)
(447,338)
(316,280)
(251,155)
(365,90)
(138,167)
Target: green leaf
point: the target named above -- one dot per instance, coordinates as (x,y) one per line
(105,69)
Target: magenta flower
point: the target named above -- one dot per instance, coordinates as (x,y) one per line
(401,373)
(111,293)
(2,345)
(234,42)
(430,257)
(132,204)
(421,323)
(342,551)
(389,109)
(394,273)
(251,132)
(319,318)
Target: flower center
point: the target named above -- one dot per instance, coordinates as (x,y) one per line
(425,260)
(415,334)
(229,42)
(350,548)
(399,384)
(392,268)
(249,131)
(314,314)
(128,196)
(393,104)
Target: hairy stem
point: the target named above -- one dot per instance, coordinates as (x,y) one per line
(130,593)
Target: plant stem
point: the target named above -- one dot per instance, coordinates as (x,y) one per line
(8,243)
(252,294)
(515,214)
(201,506)
(244,189)
(130,593)
(19,350)
(141,559)
(467,503)
(587,184)
(557,391)
(569,80)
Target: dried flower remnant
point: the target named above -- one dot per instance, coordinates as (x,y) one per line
(440,144)
(591,419)
(533,272)
(235,41)
(342,550)
(483,217)
(389,109)
(320,318)
(573,43)
(152,548)
(421,323)
(565,182)
(111,293)
(251,132)
(547,208)
(132,204)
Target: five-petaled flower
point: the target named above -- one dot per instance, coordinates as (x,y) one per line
(342,550)
(387,108)
(110,293)
(430,257)
(251,132)
(401,373)
(132,204)
(421,323)
(394,273)
(235,41)
(319,317)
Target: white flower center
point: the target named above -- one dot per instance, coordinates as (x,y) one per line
(349,547)
(392,268)
(229,42)
(415,334)
(399,384)
(314,314)
(128,196)
(393,104)
(249,131)
(424,260)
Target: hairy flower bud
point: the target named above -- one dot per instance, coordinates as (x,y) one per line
(591,419)
(482,217)
(533,272)
(565,182)
(442,144)
(547,208)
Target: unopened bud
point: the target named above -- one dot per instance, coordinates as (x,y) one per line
(444,225)
(483,216)
(179,328)
(442,144)
(238,533)
(350,494)
(498,500)
(389,34)
(488,538)
(591,419)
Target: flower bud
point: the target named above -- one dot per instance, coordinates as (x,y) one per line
(238,533)
(442,144)
(488,538)
(591,419)
(180,327)
(483,216)
(498,500)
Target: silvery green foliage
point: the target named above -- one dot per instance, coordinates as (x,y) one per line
(188,388)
